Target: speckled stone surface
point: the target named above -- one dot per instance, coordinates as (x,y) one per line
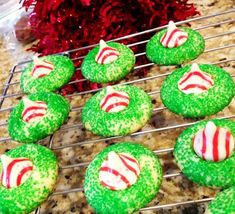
(29,195)
(104,200)
(129,120)
(57,112)
(207,173)
(224,202)
(59,76)
(116,70)
(198,105)
(190,50)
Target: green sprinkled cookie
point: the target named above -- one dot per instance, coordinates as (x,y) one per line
(37,116)
(174,46)
(108,62)
(205,153)
(198,90)
(224,203)
(117,110)
(46,74)
(28,176)
(122,178)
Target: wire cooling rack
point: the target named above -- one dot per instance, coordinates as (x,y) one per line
(11,94)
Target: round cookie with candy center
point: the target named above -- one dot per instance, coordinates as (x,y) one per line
(174,46)
(198,90)
(37,116)
(224,202)
(108,62)
(46,74)
(117,110)
(28,176)
(205,153)
(122,178)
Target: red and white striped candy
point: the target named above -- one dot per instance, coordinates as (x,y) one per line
(213,143)
(106,54)
(15,171)
(119,171)
(41,68)
(114,101)
(174,37)
(33,110)
(195,81)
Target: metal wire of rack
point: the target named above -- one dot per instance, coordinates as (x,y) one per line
(10,84)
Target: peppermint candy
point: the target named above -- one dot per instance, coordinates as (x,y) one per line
(213,143)
(195,81)
(41,67)
(15,171)
(114,101)
(174,37)
(119,171)
(33,110)
(106,54)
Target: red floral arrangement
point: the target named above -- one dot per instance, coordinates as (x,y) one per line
(61,25)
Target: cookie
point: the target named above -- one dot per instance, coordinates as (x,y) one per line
(108,62)
(122,178)
(174,46)
(46,74)
(117,110)
(224,203)
(37,116)
(28,176)
(197,91)
(205,153)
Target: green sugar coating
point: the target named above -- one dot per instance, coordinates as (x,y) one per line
(104,73)
(206,173)
(129,120)
(188,51)
(224,203)
(104,200)
(30,194)
(59,76)
(57,112)
(198,105)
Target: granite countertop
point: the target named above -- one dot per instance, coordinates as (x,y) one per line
(175,189)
